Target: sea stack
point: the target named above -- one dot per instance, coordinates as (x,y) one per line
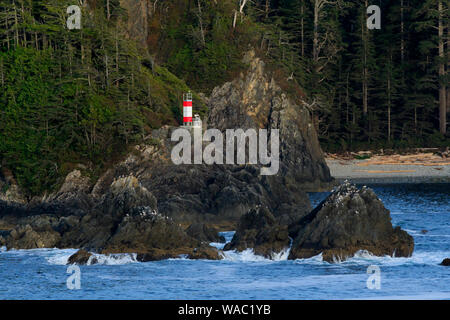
(349,220)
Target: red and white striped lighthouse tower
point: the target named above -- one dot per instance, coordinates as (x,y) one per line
(187,109)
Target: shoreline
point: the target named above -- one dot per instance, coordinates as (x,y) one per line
(391,169)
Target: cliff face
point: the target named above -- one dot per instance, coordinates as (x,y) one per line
(255,101)
(139,12)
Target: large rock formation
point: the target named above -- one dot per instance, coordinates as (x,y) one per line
(125,210)
(124,221)
(347,221)
(81,257)
(259,230)
(254,100)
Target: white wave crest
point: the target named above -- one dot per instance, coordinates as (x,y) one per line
(61,257)
(249,255)
(112,259)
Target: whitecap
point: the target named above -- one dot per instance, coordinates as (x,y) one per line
(244,256)
(112,259)
(60,257)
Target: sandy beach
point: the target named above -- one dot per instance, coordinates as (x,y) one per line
(418,168)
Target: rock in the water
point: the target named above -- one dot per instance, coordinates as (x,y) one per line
(145,230)
(256,101)
(446,262)
(203,233)
(205,252)
(347,221)
(259,230)
(81,257)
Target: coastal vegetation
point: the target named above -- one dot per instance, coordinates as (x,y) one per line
(85,96)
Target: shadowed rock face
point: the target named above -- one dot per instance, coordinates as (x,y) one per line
(255,101)
(259,230)
(124,221)
(203,233)
(347,221)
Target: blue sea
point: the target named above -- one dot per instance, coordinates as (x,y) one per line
(42,273)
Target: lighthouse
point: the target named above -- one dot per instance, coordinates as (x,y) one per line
(187,109)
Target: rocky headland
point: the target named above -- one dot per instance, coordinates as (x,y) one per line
(148,206)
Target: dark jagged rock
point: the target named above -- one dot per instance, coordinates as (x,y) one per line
(203,233)
(25,237)
(445,262)
(124,197)
(259,230)
(81,257)
(349,220)
(147,229)
(205,252)
(201,252)
(254,100)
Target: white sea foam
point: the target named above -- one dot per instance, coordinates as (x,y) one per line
(61,257)
(282,255)
(249,255)
(113,259)
(364,257)
(245,256)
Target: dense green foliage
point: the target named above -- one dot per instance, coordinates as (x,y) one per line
(77,96)
(366,88)
(84,96)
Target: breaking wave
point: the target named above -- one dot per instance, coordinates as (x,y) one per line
(61,257)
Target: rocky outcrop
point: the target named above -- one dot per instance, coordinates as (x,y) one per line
(445,262)
(73,198)
(137,205)
(9,190)
(124,221)
(203,233)
(259,230)
(81,257)
(347,221)
(25,237)
(254,100)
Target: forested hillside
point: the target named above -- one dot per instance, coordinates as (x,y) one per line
(84,96)
(366,88)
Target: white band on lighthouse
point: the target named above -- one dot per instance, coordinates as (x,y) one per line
(187,108)
(187,112)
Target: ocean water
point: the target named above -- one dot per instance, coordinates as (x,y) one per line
(42,273)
